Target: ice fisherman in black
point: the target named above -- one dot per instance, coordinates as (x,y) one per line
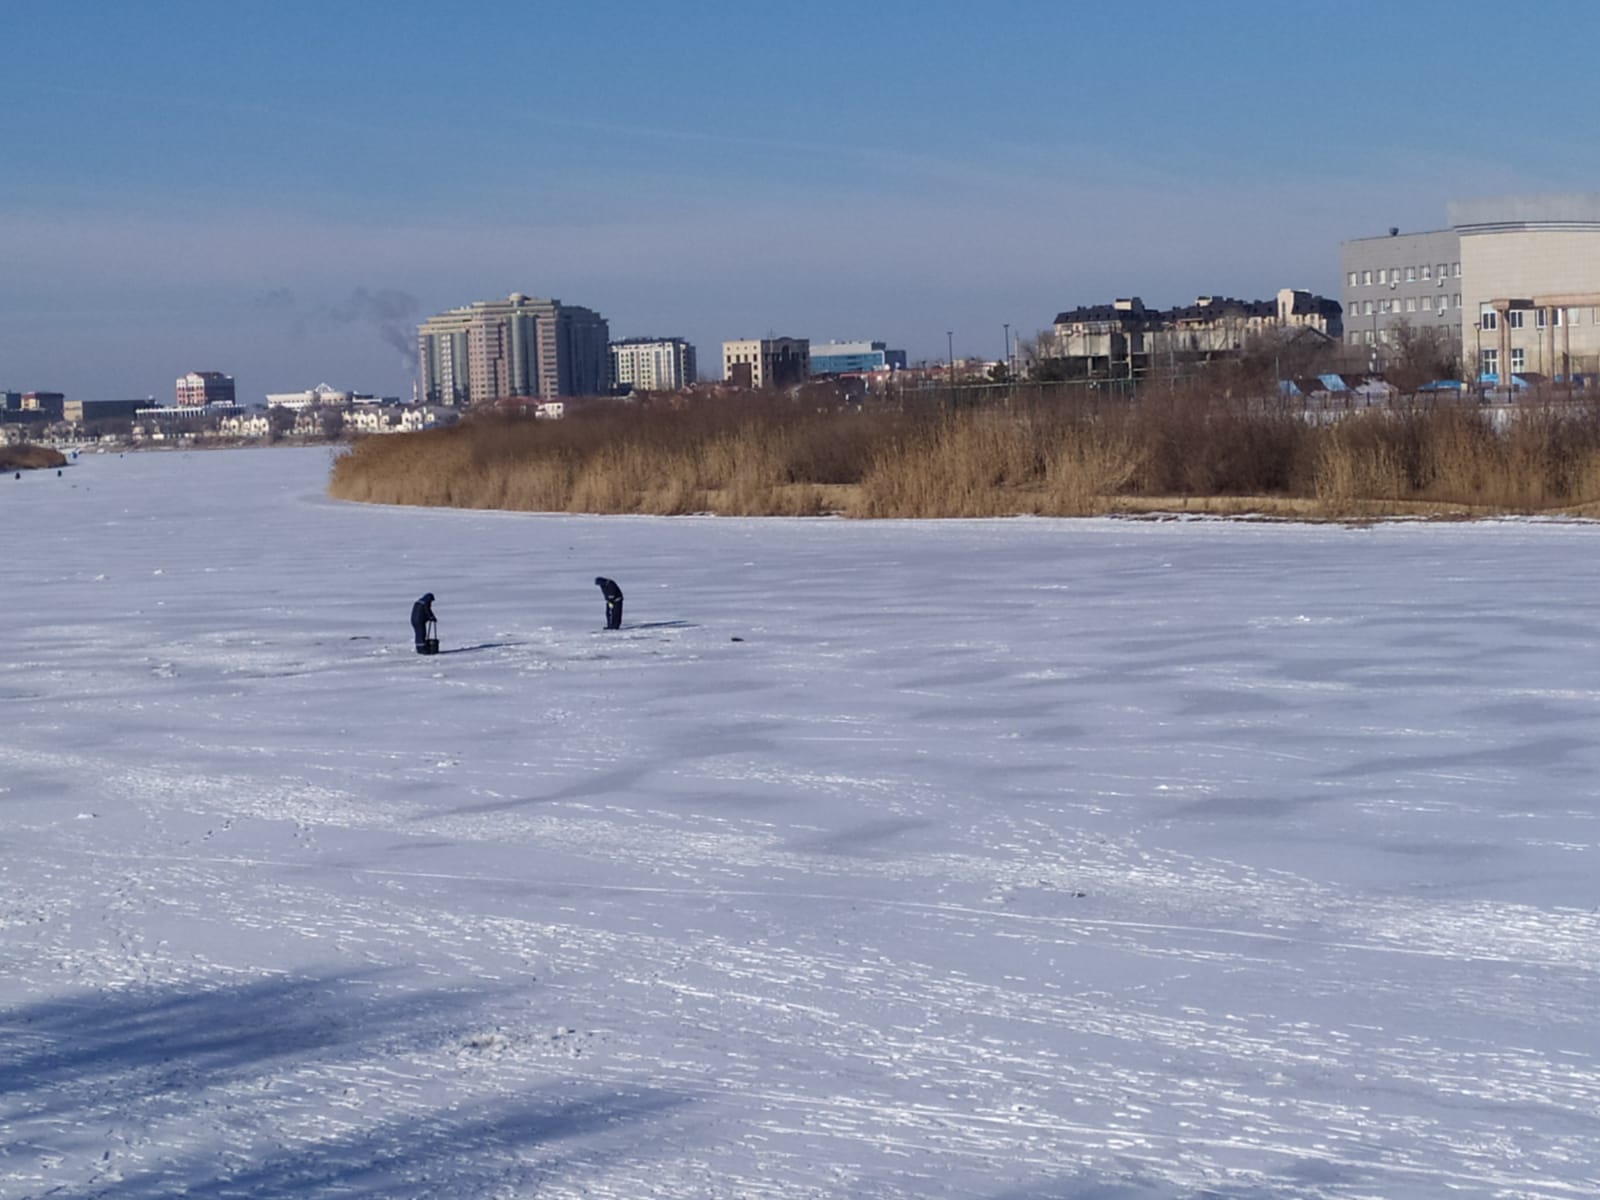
(613,594)
(421,614)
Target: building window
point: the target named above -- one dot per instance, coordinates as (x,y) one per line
(1456,300)
(1488,319)
(1514,318)
(1455,269)
(1444,269)
(1427,303)
(1489,362)
(1427,271)
(1369,308)
(1411,274)
(1366,277)
(1354,277)
(1540,320)
(1519,359)
(1411,304)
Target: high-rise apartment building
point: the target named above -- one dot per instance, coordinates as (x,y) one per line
(653,364)
(519,347)
(766,362)
(199,388)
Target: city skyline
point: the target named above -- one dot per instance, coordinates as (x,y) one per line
(284,193)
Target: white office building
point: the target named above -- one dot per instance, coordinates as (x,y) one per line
(653,364)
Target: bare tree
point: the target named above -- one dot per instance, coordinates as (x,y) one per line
(1421,355)
(1042,359)
(280,422)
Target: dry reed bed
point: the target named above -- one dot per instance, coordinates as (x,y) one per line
(27,457)
(763,456)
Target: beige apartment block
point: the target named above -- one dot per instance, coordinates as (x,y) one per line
(1515,278)
(774,362)
(1531,293)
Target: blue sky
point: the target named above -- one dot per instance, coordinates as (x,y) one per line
(279,190)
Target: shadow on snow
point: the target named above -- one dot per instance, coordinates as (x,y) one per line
(128,1065)
(479,646)
(125,1046)
(453,1152)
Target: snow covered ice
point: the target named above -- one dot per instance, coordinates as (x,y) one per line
(1124,860)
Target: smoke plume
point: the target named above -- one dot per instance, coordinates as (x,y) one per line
(391,312)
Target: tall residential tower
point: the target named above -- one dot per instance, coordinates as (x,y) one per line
(519,347)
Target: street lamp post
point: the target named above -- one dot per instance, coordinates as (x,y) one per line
(1008,351)
(1477,352)
(950,345)
(1372,356)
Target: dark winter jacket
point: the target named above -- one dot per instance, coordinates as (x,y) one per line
(421,614)
(608,589)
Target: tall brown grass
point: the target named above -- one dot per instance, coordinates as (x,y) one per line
(1060,456)
(25,456)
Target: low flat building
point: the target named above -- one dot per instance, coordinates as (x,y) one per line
(80,412)
(315,397)
(849,358)
(187,412)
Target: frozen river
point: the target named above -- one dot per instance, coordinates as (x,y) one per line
(1116,860)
